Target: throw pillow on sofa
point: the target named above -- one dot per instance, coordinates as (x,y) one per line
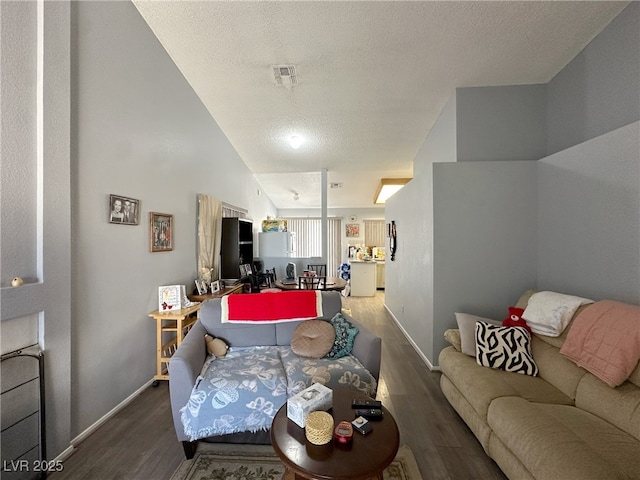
(467,327)
(313,338)
(345,335)
(505,348)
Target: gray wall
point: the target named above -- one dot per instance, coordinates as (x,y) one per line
(589,218)
(35,198)
(488,229)
(485,236)
(597,92)
(118,117)
(501,123)
(139,131)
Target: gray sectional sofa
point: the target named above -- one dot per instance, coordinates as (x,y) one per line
(186,365)
(564,424)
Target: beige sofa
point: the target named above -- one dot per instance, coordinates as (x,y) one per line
(563,424)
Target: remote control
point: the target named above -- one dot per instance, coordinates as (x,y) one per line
(370,413)
(361,403)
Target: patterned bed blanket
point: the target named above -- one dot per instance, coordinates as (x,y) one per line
(243,391)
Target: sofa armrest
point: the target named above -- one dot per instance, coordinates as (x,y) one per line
(184,367)
(367,347)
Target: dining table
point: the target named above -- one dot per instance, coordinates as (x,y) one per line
(333,283)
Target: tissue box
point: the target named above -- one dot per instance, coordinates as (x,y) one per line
(315,397)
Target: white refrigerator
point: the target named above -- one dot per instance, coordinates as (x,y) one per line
(277,244)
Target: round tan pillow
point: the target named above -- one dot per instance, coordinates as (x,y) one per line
(313,338)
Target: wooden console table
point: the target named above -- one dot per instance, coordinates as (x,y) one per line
(219,294)
(178,322)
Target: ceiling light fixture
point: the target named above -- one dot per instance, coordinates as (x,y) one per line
(296,196)
(387,187)
(295,141)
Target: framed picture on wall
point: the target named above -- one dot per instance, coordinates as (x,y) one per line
(353,229)
(160,232)
(123,210)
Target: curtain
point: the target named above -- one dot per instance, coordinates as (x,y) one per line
(374,233)
(309,239)
(209,235)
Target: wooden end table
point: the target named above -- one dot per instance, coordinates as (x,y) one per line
(178,322)
(365,457)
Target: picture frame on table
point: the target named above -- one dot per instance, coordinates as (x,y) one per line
(201,287)
(123,210)
(160,232)
(243,270)
(215,286)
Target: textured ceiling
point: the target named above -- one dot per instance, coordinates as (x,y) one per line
(373,76)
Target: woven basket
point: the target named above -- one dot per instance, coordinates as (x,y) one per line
(319,428)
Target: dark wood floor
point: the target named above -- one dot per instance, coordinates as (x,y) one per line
(140,443)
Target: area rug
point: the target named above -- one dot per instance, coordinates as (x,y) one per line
(220,465)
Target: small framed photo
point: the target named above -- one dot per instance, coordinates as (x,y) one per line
(123,210)
(243,270)
(248,269)
(201,287)
(160,232)
(215,286)
(353,229)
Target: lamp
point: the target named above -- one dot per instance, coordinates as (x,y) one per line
(295,141)
(387,187)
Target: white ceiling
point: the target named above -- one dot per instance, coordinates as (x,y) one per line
(373,76)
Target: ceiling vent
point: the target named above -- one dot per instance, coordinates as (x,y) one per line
(285,75)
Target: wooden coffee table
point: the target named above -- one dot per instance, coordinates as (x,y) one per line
(365,457)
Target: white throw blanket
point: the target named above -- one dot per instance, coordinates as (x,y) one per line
(549,313)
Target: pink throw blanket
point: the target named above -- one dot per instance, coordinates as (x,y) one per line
(605,340)
(271,307)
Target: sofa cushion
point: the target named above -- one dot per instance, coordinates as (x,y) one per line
(559,441)
(313,338)
(452,335)
(303,372)
(505,348)
(240,392)
(345,335)
(619,406)
(481,385)
(235,334)
(556,369)
(467,326)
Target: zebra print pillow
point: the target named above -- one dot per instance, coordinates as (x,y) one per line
(505,348)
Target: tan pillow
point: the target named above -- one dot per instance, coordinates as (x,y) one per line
(452,336)
(313,338)
(467,327)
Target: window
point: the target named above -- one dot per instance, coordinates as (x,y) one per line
(232,211)
(374,233)
(309,239)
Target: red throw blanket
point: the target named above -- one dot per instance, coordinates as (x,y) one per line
(271,307)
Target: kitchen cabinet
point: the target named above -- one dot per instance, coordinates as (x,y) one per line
(380,275)
(363,279)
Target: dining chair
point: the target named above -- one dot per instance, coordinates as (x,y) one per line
(312,283)
(320,269)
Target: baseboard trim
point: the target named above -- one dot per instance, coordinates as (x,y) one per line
(92,428)
(424,358)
